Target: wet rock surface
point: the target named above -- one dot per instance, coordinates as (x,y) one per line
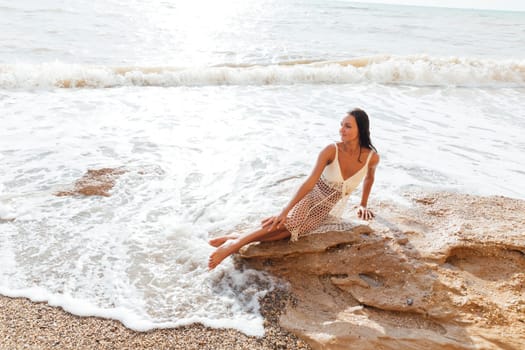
(95,182)
(447,272)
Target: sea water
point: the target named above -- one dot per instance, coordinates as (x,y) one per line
(217,111)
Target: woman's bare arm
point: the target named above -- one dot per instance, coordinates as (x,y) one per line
(364,212)
(325,157)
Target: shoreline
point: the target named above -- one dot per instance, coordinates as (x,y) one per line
(445,273)
(36,325)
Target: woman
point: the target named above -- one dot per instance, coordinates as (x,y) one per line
(339,169)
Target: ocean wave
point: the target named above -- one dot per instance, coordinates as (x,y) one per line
(402,70)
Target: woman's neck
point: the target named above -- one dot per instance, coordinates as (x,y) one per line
(351,147)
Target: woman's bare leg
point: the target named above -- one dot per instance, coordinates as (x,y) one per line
(233,246)
(276,236)
(218,241)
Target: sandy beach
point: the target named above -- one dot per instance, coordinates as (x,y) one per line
(28,325)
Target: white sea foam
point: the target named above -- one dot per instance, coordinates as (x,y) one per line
(6,210)
(409,70)
(250,323)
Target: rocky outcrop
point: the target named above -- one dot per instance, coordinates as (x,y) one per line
(96,182)
(447,272)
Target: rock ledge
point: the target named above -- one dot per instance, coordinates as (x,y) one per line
(446,273)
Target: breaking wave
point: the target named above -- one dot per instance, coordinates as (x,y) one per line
(402,70)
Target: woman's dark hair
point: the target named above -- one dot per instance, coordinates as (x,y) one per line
(363,125)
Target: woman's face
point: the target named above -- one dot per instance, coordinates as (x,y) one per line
(349,131)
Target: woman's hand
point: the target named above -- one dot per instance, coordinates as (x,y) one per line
(275,222)
(364,213)
(267,222)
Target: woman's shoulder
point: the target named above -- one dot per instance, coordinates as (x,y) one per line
(369,150)
(370,155)
(328,152)
(330,148)
(374,157)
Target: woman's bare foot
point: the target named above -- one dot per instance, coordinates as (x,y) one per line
(218,241)
(221,253)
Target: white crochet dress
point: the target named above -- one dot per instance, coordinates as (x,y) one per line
(327,198)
